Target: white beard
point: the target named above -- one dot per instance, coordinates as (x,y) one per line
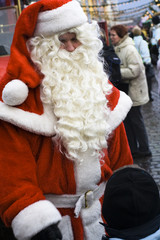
(75,86)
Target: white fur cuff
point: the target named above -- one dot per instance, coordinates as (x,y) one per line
(15,93)
(34,218)
(67,16)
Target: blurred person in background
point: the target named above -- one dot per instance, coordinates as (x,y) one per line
(135,85)
(143,49)
(155,47)
(111,61)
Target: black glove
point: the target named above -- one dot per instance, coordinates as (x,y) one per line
(50,233)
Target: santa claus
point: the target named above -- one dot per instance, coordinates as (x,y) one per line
(61,122)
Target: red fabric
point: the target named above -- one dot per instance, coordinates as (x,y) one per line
(113,97)
(120,155)
(8,2)
(3,64)
(118,152)
(20,65)
(19,172)
(26,174)
(76,223)
(31,165)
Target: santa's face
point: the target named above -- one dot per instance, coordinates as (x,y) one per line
(69,41)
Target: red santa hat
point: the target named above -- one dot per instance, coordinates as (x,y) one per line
(45,17)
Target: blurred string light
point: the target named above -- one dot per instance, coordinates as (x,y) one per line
(118,9)
(92,7)
(157,2)
(154,10)
(102,8)
(114,3)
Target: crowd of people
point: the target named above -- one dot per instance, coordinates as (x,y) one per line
(67,131)
(139,54)
(134,84)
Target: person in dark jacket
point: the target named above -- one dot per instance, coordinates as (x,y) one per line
(111,63)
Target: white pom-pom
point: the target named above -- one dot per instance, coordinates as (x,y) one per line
(15,93)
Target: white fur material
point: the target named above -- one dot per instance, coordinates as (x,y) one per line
(40,124)
(86,168)
(34,218)
(15,93)
(44,124)
(66,228)
(91,165)
(65,17)
(91,218)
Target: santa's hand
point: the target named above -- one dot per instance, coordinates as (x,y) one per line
(50,233)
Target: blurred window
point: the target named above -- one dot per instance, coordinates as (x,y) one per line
(8,19)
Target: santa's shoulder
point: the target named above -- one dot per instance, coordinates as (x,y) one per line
(120,104)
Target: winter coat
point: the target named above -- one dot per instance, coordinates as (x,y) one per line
(143,49)
(40,186)
(132,71)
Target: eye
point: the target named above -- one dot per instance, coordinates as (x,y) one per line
(62,40)
(74,39)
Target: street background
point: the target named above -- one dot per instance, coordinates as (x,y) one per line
(151,114)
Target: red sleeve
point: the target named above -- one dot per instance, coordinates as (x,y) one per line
(18,180)
(118,149)
(113,97)
(118,153)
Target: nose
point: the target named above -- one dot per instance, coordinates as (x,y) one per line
(69,46)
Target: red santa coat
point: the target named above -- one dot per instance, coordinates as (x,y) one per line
(32,170)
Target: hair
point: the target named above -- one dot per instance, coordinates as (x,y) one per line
(136,31)
(121,30)
(155,19)
(75,86)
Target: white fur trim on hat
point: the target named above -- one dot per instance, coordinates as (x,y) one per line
(15,93)
(34,218)
(65,17)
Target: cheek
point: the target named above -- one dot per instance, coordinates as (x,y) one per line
(62,46)
(77,44)
(116,40)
